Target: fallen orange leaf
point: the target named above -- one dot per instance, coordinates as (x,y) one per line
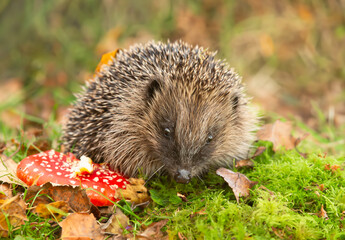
(81,226)
(238,182)
(106,58)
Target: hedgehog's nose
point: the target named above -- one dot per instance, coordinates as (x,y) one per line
(182,176)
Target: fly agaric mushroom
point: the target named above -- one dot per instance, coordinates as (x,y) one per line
(60,169)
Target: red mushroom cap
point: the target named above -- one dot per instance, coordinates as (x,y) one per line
(59,169)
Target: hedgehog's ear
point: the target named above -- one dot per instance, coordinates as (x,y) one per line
(153,88)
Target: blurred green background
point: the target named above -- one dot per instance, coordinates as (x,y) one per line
(290,53)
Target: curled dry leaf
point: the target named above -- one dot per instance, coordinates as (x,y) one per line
(12,211)
(183,197)
(135,192)
(116,223)
(248,163)
(5,191)
(258,151)
(75,197)
(106,59)
(153,231)
(279,133)
(8,171)
(321,187)
(238,182)
(244,163)
(81,226)
(181,236)
(57,210)
(323,213)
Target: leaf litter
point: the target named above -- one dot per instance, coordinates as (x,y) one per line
(248,163)
(81,225)
(12,212)
(238,182)
(279,133)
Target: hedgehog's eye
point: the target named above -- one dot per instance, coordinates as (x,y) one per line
(209,138)
(167,132)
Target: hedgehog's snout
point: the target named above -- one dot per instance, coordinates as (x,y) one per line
(182,176)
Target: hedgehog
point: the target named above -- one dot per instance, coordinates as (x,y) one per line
(162,107)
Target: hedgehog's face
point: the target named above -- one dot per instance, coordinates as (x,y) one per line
(192,131)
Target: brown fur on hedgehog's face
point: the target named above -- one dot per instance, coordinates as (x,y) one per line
(194,128)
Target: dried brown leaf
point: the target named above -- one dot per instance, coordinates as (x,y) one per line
(12,210)
(267,190)
(57,210)
(5,191)
(75,197)
(323,213)
(8,169)
(248,163)
(279,133)
(183,197)
(81,226)
(153,231)
(116,223)
(238,182)
(181,236)
(245,163)
(321,187)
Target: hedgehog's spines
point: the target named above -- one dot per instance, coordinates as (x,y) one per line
(119,116)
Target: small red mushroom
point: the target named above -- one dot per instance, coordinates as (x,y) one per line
(60,169)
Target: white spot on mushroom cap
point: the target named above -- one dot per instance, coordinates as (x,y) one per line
(35,170)
(58,173)
(96,179)
(102,189)
(49,170)
(28,165)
